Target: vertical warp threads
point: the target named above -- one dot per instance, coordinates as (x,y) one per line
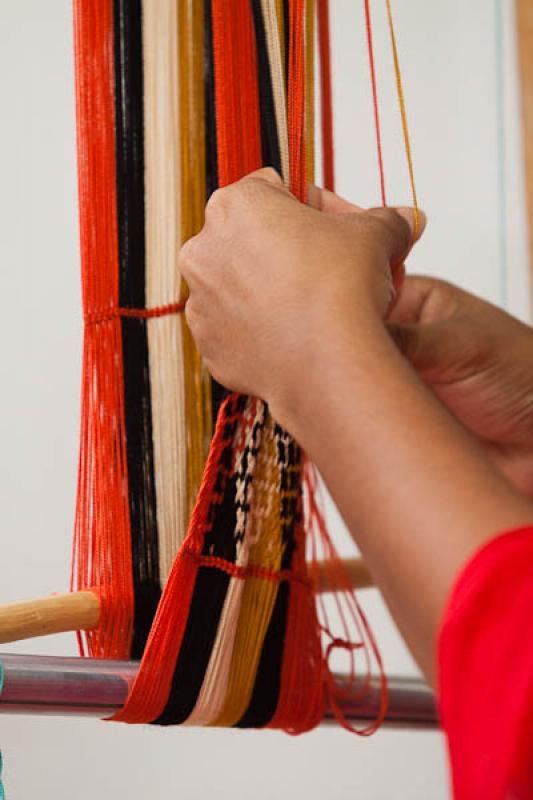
(403,115)
(163,215)
(175,98)
(102,537)
(274,41)
(218,393)
(373,83)
(310,15)
(300,704)
(296,101)
(129,124)
(270,149)
(326,95)
(193,198)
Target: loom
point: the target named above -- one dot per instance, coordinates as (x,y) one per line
(201,555)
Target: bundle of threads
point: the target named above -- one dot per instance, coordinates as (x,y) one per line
(200,548)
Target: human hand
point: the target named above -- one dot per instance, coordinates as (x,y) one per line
(478,360)
(278,288)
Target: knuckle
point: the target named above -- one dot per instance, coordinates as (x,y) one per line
(187,257)
(248,188)
(255,187)
(217,198)
(198,326)
(217,204)
(191,312)
(267,173)
(392,227)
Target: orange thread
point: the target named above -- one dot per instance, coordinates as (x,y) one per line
(102,536)
(301,695)
(403,115)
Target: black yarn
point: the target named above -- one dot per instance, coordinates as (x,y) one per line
(129,123)
(218,392)
(286,30)
(209,591)
(270,150)
(264,699)
(211,156)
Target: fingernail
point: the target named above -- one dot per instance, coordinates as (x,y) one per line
(415,218)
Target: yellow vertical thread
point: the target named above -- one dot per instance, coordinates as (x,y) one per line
(403,114)
(259,595)
(281,29)
(192,191)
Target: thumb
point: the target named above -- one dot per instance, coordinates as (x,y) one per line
(266,174)
(415,218)
(431,348)
(399,228)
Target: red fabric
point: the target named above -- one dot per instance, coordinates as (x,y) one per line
(486,672)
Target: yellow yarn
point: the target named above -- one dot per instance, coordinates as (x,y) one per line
(403,114)
(281,29)
(192,150)
(259,595)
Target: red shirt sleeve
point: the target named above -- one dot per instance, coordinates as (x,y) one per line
(485,658)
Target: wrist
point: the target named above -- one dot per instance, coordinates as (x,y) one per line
(331,371)
(517,466)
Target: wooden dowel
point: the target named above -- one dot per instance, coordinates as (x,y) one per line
(58,613)
(79,611)
(360,577)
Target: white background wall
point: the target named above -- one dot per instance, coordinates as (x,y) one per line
(449,56)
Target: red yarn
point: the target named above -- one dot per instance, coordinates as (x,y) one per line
(356,634)
(102,547)
(301,695)
(368,20)
(326,100)
(296,100)
(236,91)
(92,317)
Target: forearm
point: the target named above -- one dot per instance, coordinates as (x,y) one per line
(413,488)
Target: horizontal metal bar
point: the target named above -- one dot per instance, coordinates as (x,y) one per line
(89,687)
